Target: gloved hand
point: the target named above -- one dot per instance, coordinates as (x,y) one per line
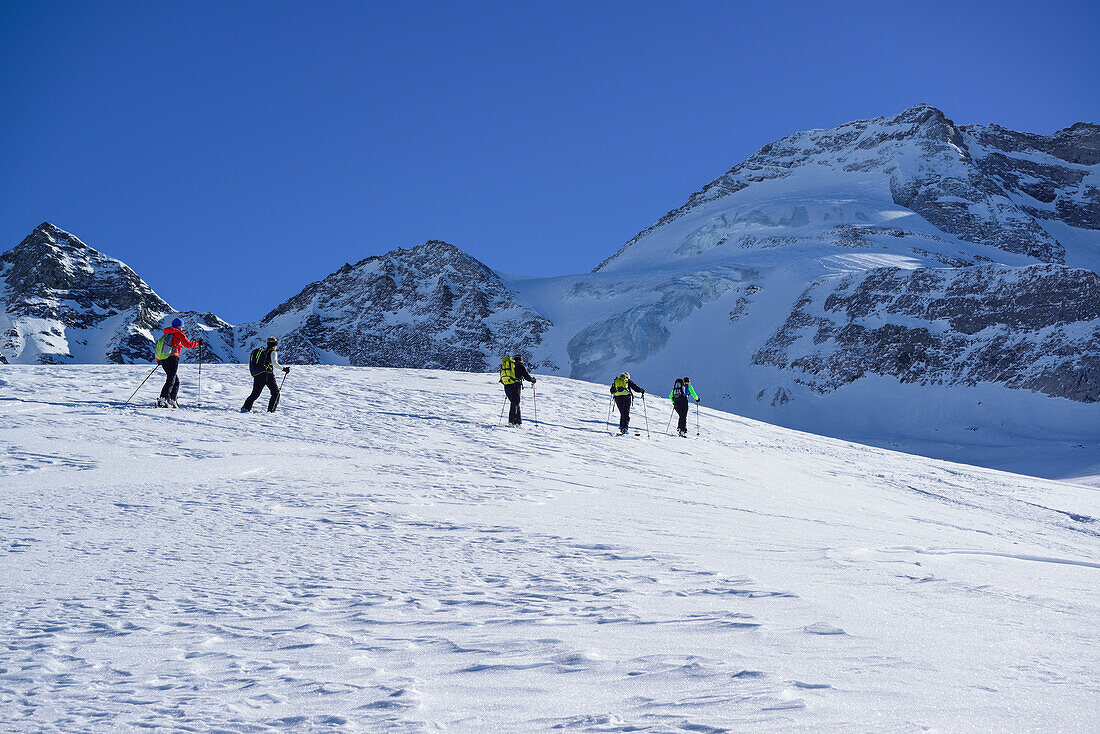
(697,400)
(532,380)
(200,342)
(643,392)
(286,369)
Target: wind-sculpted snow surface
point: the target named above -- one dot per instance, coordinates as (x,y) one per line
(1035,328)
(431,306)
(354,564)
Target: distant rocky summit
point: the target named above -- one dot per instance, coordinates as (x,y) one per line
(983,185)
(431,306)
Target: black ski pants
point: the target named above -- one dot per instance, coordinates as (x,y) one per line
(622,402)
(259,382)
(512,391)
(171,380)
(680,404)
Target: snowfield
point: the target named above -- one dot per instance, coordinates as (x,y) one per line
(380,556)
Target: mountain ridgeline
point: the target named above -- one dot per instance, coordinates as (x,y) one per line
(875,258)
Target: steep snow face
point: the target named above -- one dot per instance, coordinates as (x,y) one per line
(356,563)
(63,301)
(431,306)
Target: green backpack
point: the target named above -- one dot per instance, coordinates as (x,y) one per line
(163,347)
(508,370)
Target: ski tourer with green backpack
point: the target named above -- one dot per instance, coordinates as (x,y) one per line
(263,363)
(622,391)
(167,349)
(512,374)
(681,391)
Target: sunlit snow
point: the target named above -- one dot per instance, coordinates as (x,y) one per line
(379,555)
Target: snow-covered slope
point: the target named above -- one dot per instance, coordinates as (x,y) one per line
(378,556)
(63,301)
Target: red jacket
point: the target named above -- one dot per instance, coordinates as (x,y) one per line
(179,339)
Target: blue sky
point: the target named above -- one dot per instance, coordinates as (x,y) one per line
(233,152)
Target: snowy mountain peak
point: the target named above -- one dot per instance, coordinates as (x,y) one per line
(427,306)
(982,189)
(64,301)
(924,121)
(50,262)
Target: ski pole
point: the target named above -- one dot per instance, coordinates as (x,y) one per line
(670,421)
(646,414)
(502,407)
(143,383)
(696,417)
(200,374)
(534,406)
(280,391)
(609,404)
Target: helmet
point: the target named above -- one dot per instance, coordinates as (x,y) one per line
(272,341)
(626,375)
(177,323)
(687,379)
(518,357)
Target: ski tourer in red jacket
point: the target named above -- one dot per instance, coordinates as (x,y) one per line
(179,340)
(171,364)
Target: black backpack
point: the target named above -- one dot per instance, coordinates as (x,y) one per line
(259,362)
(677,389)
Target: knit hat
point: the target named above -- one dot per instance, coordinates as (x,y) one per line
(272,341)
(177,323)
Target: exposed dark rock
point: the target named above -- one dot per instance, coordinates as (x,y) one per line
(1035,327)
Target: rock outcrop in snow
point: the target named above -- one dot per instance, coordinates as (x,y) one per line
(1034,327)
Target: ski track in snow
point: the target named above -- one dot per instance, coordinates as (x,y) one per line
(380,556)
